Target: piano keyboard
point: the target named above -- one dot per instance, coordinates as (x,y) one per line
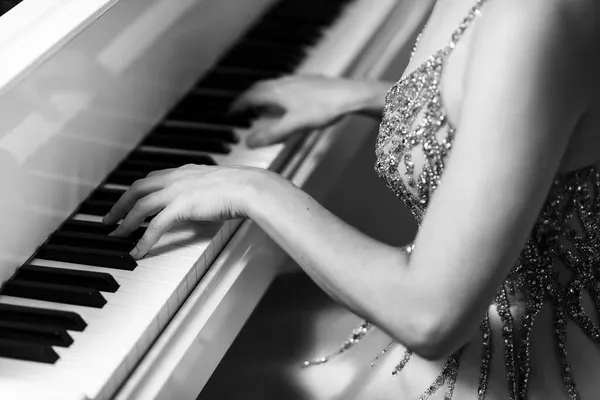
(82,312)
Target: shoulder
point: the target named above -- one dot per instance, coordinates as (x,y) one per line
(541,12)
(560,23)
(557,37)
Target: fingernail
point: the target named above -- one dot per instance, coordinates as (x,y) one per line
(133,253)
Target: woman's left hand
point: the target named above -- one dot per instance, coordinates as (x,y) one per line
(190,192)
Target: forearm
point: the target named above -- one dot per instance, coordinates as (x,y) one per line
(361,273)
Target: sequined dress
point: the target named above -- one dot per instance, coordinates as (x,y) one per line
(414,138)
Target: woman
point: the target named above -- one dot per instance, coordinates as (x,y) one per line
(497,298)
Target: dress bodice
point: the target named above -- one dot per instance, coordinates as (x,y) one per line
(415,137)
(415,132)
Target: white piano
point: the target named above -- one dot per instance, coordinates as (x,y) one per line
(93,95)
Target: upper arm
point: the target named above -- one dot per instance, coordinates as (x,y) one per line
(520,105)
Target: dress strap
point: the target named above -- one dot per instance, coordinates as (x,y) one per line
(473,13)
(457,34)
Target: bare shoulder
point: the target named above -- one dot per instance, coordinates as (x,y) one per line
(546,31)
(572,21)
(538,11)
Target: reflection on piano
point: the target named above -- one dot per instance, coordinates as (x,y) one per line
(125,87)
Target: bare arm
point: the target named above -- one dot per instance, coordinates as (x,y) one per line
(522,102)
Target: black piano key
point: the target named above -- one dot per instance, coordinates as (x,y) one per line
(125,177)
(174,159)
(148,167)
(208,102)
(95,257)
(245,57)
(53,293)
(238,120)
(27,351)
(226,135)
(41,316)
(48,335)
(106,194)
(86,279)
(278,31)
(93,241)
(96,228)
(198,107)
(96,207)
(277,47)
(197,143)
(232,79)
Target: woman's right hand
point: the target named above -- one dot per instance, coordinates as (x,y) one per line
(298,103)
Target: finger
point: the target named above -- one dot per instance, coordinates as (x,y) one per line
(143,208)
(272,133)
(257,96)
(159,172)
(160,224)
(136,191)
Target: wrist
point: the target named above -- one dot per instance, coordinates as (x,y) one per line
(260,186)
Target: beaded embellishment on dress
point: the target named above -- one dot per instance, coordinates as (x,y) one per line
(566,235)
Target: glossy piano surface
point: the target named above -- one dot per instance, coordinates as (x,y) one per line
(85,100)
(80,84)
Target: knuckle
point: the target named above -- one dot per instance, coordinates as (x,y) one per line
(154,225)
(142,243)
(183,170)
(181,209)
(180,184)
(135,186)
(140,205)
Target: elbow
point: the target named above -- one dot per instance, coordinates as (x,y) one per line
(434,338)
(431,346)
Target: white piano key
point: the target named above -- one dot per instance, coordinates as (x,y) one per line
(141,273)
(20,388)
(108,312)
(136,300)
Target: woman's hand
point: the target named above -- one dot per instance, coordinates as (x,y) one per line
(300,103)
(191,192)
